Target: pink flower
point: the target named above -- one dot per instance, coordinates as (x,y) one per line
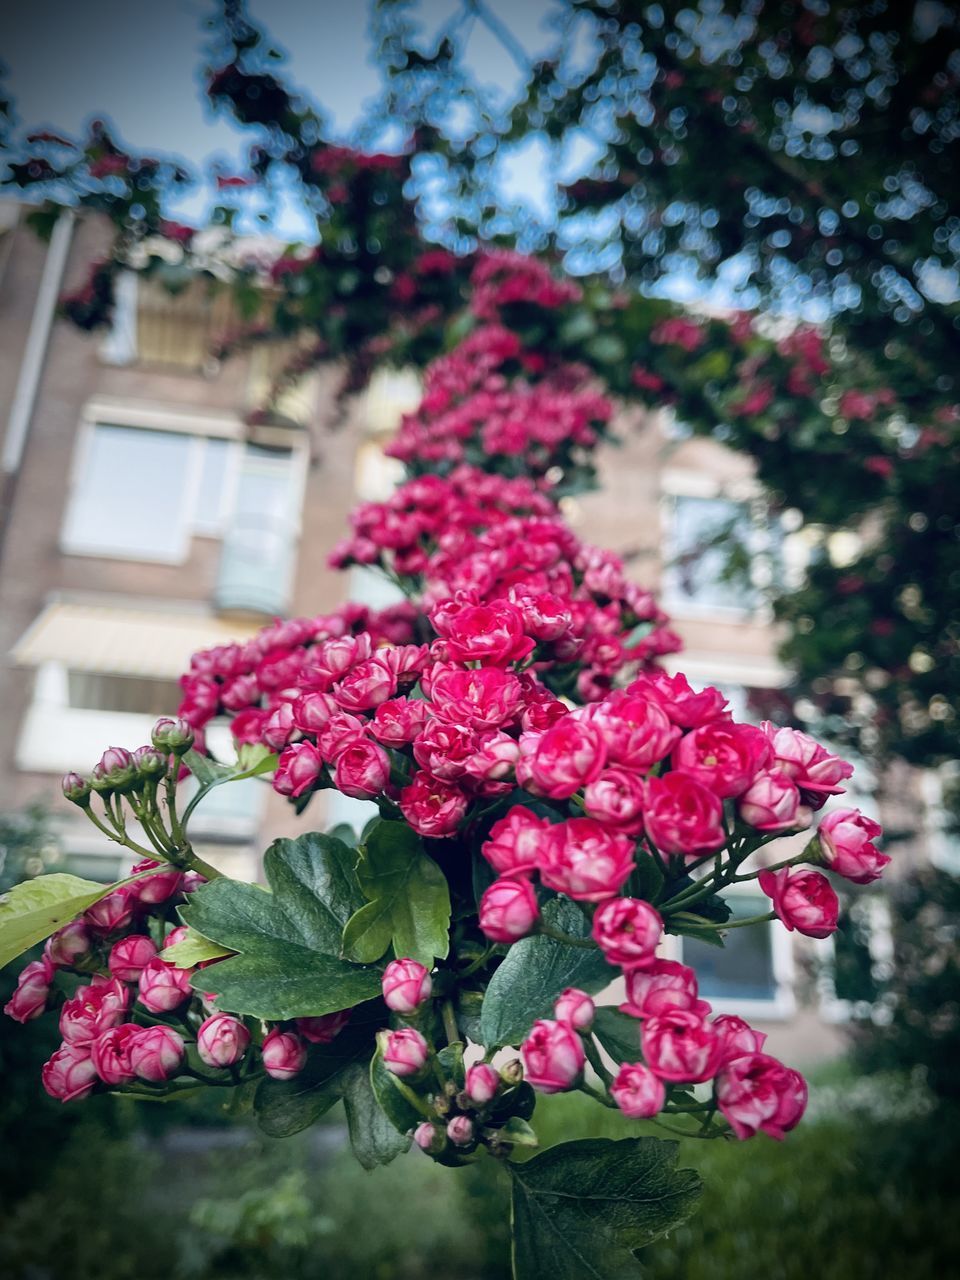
(758,1092)
(362,771)
(93,1009)
(158,887)
(427,1137)
(637,1091)
(444,749)
(636,730)
(404,1052)
(69,1074)
(678,1045)
(68,944)
(406,985)
(665,985)
(616,797)
(130,956)
(509,910)
(433,808)
(628,932)
(804,900)
(586,860)
(772,803)
(737,1037)
(493,761)
(553,1056)
(816,772)
(846,837)
(156,1053)
(298,769)
(562,760)
(365,686)
(278,727)
(723,757)
(490,633)
(163,986)
(111,1054)
(575,1008)
(222,1040)
(681,816)
(33,987)
(284,1054)
(485,698)
(113,912)
(460,1131)
(312,711)
(398,721)
(340,733)
(325,1028)
(514,844)
(482,1084)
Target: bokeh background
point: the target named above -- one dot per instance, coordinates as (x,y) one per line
(790,499)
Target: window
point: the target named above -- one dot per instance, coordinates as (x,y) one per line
(168,330)
(708,542)
(141,493)
(100,691)
(752,973)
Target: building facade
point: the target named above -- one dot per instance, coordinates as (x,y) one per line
(142,520)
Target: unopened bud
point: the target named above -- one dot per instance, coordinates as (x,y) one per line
(575,1008)
(149,762)
(172,735)
(429,1138)
(460,1131)
(284,1054)
(117,768)
(405,1052)
(511,1073)
(76,789)
(483,1081)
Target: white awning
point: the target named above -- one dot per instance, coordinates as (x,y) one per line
(154,643)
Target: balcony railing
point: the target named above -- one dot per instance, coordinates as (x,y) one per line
(257,564)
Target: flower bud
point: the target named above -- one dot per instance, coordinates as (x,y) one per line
(222,1040)
(284,1054)
(429,1138)
(99,781)
(163,986)
(156,1053)
(460,1131)
(325,1028)
(111,913)
(111,1053)
(511,1073)
(149,762)
(509,910)
(70,1073)
(637,1091)
(33,987)
(406,985)
(171,735)
(575,1008)
(130,956)
(67,944)
(117,769)
(483,1082)
(404,1052)
(553,1056)
(158,887)
(76,789)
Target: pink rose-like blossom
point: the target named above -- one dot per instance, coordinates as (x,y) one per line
(665,985)
(325,1028)
(398,721)
(482,1083)
(846,841)
(93,1009)
(636,730)
(679,1046)
(312,711)
(222,1040)
(575,1008)
(804,900)
(68,944)
(723,757)
(485,698)
(772,803)
(553,1056)
(406,985)
(515,843)
(405,1052)
(444,749)
(111,1054)
(130,956)
(737,1037)
(490,633)
(156,1053)
(365,687)
(362,771)
(586,860)
(163,986)
(560,761)
(758,1092)
(284,1054)
(69,1074)
(616,797)
(628,932)
(113,912)
(637,1091)
(298,769)
(341,732)
(160,886)
(814,771)
(681,816)
(509,910)
(433,808)
(33,987)
(687,708)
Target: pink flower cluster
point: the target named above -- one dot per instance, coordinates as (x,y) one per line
(503,278)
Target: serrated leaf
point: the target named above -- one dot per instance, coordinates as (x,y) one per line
(534,973)
(582,1209)
(408,903)
(688,924)
(374,1138)
(193,950)
(618,1033)
(288,940)
(31,911)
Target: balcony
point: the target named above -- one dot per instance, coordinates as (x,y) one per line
(257,563)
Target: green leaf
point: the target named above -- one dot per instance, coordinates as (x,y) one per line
(193,950)
(534,973)
(252,760)
(285,1107)
(519,1133)
(31,911)
(288,940)
(582,1209)
(373,1137)
(618,1033)
(408,900)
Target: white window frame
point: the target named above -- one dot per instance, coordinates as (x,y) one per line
(104,412)
(839,1011)
(677,483)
